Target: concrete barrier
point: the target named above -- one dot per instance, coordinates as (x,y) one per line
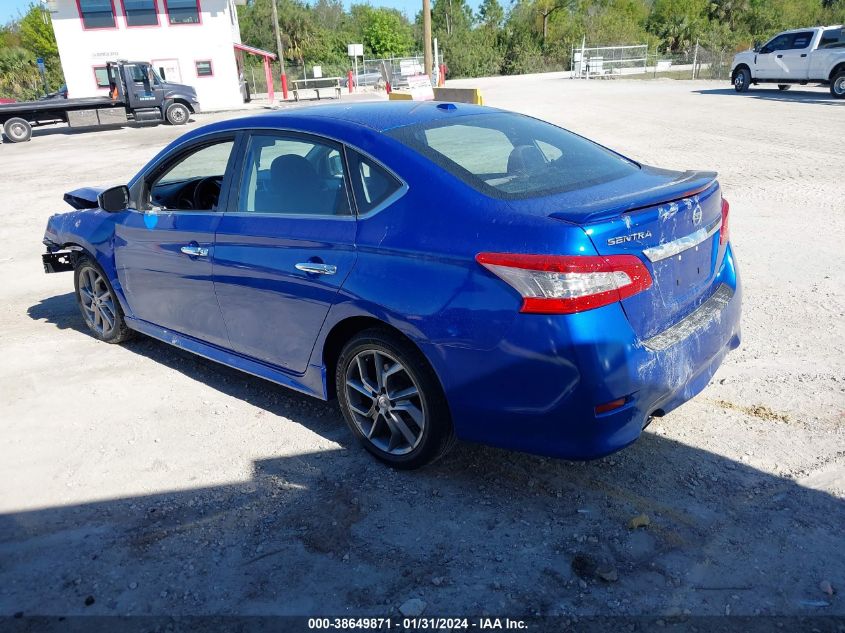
(459,95)
(455,95)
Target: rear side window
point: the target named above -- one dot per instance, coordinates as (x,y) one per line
(506,155)
(293,175)
(371,182)
(802,40)
(832,38)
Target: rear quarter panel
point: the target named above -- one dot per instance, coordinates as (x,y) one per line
(416,267)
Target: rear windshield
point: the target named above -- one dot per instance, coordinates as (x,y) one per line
(508,155)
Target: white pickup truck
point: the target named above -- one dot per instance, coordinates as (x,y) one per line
(800,56)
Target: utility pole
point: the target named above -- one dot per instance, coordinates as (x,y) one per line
(279,49)
(427,36)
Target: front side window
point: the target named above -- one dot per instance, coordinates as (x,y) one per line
(193,181)
(778,43)
(293,175)
(508,155)
(137,73)
(140,12)
(801,40)
(97,14)
(183,11)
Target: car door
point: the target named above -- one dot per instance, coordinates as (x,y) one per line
(768,62)
(164,246)
(284,248)
(143,91)
(795,59)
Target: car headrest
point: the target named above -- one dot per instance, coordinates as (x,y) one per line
(524,158)
(292,171)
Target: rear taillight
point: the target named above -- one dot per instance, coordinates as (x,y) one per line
(724,233)
(563,284)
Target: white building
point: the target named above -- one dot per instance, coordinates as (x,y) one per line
(187,41)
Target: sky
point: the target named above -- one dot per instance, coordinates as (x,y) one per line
(10,8)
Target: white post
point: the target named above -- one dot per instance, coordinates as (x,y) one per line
(355,63)
(583,55)
(694,59)
(436,68)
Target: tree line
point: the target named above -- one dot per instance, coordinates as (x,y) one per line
(516,37)
(525,35)
(22,41)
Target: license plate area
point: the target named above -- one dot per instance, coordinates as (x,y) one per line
(683,275)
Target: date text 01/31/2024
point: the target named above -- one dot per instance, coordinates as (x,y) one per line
(416,624)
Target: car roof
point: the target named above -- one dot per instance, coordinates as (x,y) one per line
(377,115)
(810,28)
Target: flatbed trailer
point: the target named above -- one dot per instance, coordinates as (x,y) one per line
(136,93)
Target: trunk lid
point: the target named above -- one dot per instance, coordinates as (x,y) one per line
(646,210)
(678,240)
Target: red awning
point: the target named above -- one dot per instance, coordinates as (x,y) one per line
(255,51)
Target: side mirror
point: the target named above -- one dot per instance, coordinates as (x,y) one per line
(114,199)
(756,48)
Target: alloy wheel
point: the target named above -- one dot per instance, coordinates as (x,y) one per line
(839,86)
(97,301)
(385,402)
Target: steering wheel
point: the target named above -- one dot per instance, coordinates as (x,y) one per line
(207,193)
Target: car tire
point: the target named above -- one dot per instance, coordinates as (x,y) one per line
(392,400)
(837,85)
(177,114)
(784,87)
(742,80)
(98,302)
(17,130)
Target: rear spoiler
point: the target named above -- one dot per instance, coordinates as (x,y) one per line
(656,186)
(84,198)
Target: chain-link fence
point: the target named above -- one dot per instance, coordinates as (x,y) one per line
(601,61)
(605,62)
(369,72)
(255,78)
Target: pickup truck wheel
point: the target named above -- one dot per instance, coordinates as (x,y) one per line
(177,114)
(17,130)
(742,80)
(784,86)
(98,304)
(837,85)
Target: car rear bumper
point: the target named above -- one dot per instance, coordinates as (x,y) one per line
(538,390)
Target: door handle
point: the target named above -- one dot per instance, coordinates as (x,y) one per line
(779,56)
(803,54)
(314,268)
(194,251)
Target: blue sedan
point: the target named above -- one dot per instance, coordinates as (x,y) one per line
(445,271)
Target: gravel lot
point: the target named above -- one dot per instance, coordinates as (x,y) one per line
(152,482)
